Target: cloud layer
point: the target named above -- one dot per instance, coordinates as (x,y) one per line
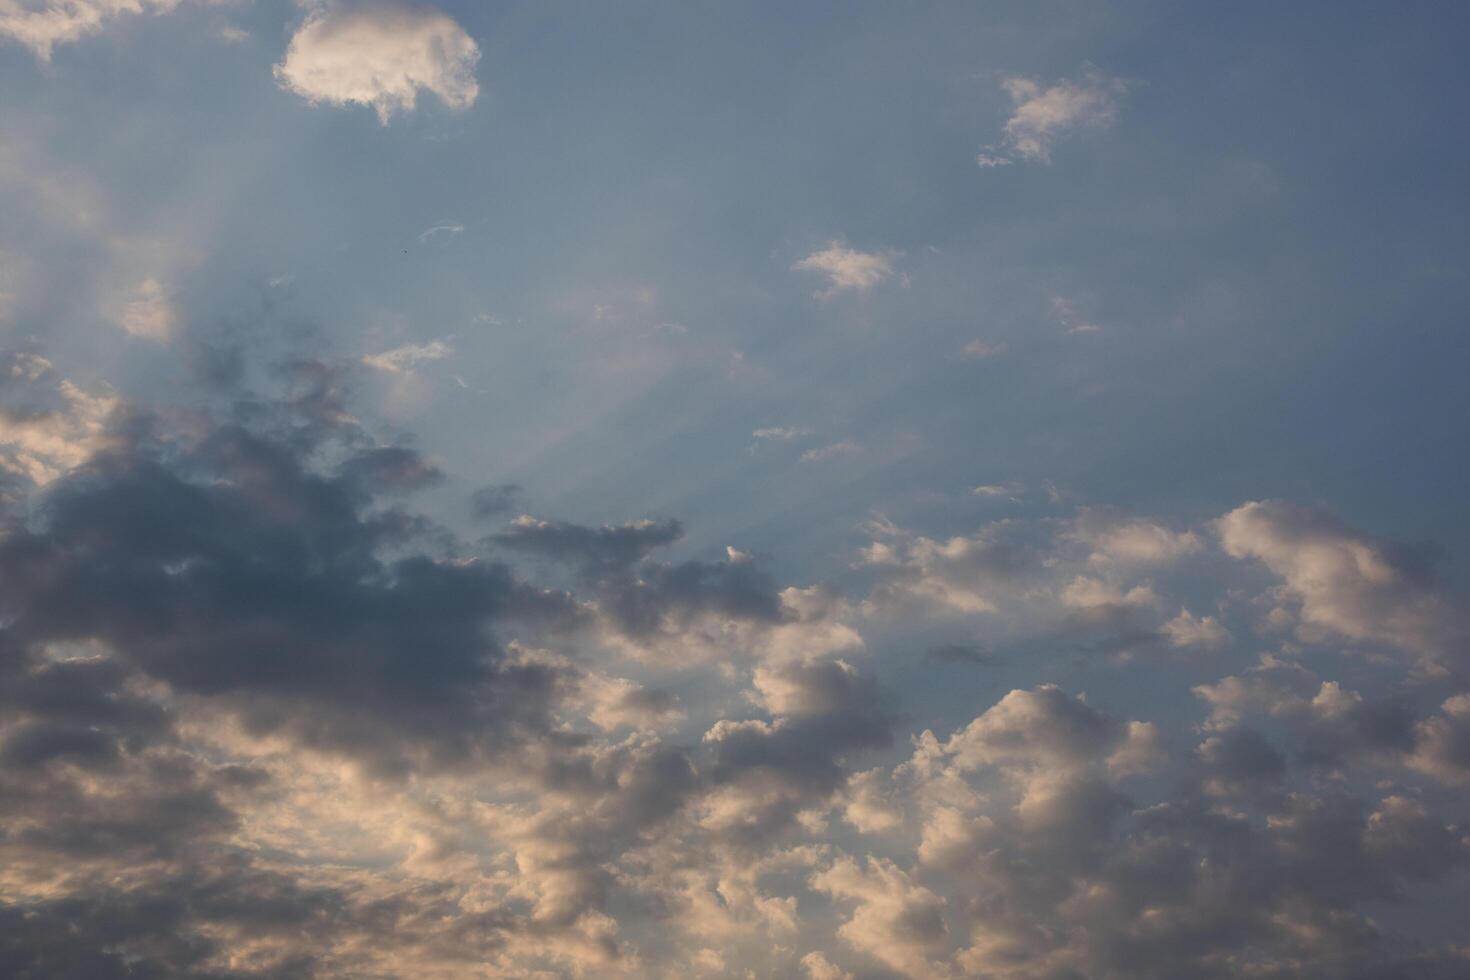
(270,723)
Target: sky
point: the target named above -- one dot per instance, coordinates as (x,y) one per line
(838,491)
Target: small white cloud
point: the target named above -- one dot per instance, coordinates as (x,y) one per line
(1088,593)
(834,451)
(42,26)
(402,360)
(1010,491)
(780,433)
(381,55)
(1067,315)
(1117,540)
(977,350)
(1189,630)
(149,311)
(1042,114)
(444,229)
(846,269)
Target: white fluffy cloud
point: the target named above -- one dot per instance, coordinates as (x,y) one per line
(846,269)
(381,55)
(1189,630)
(1341,582)
(897,921)
(1132,541)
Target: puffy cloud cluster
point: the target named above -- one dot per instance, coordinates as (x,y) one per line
(260,719)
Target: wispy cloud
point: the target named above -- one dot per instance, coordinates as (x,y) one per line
(401,360)
(977,350)
(1073,322)
(780,433)
(1041,115)
(442,229)
(149,311)
(835,450)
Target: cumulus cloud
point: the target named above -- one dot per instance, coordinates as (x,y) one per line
(846,269)
(1442,745)
(1189,630)
(257,719)
(818,967)
(1117,539)
(381,54)
(896,920)
(1338,582)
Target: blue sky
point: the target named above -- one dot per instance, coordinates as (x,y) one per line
(834,373)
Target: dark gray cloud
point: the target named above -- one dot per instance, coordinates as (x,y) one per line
(232,568)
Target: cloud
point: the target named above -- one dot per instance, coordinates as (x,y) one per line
(896,920)
(1442,743)
(257,719)
(1042,114)
(149,311)
(846,269)
(1119,540)
(444,229)
(979,350)
(818,967)
(402,360)
(380,54)
(1066,314)
(965,574)
(48,424)
(1009,491)
(1189,630)
(1338,582)
(495,499)
(835,450)
(42,26)
(779,433)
